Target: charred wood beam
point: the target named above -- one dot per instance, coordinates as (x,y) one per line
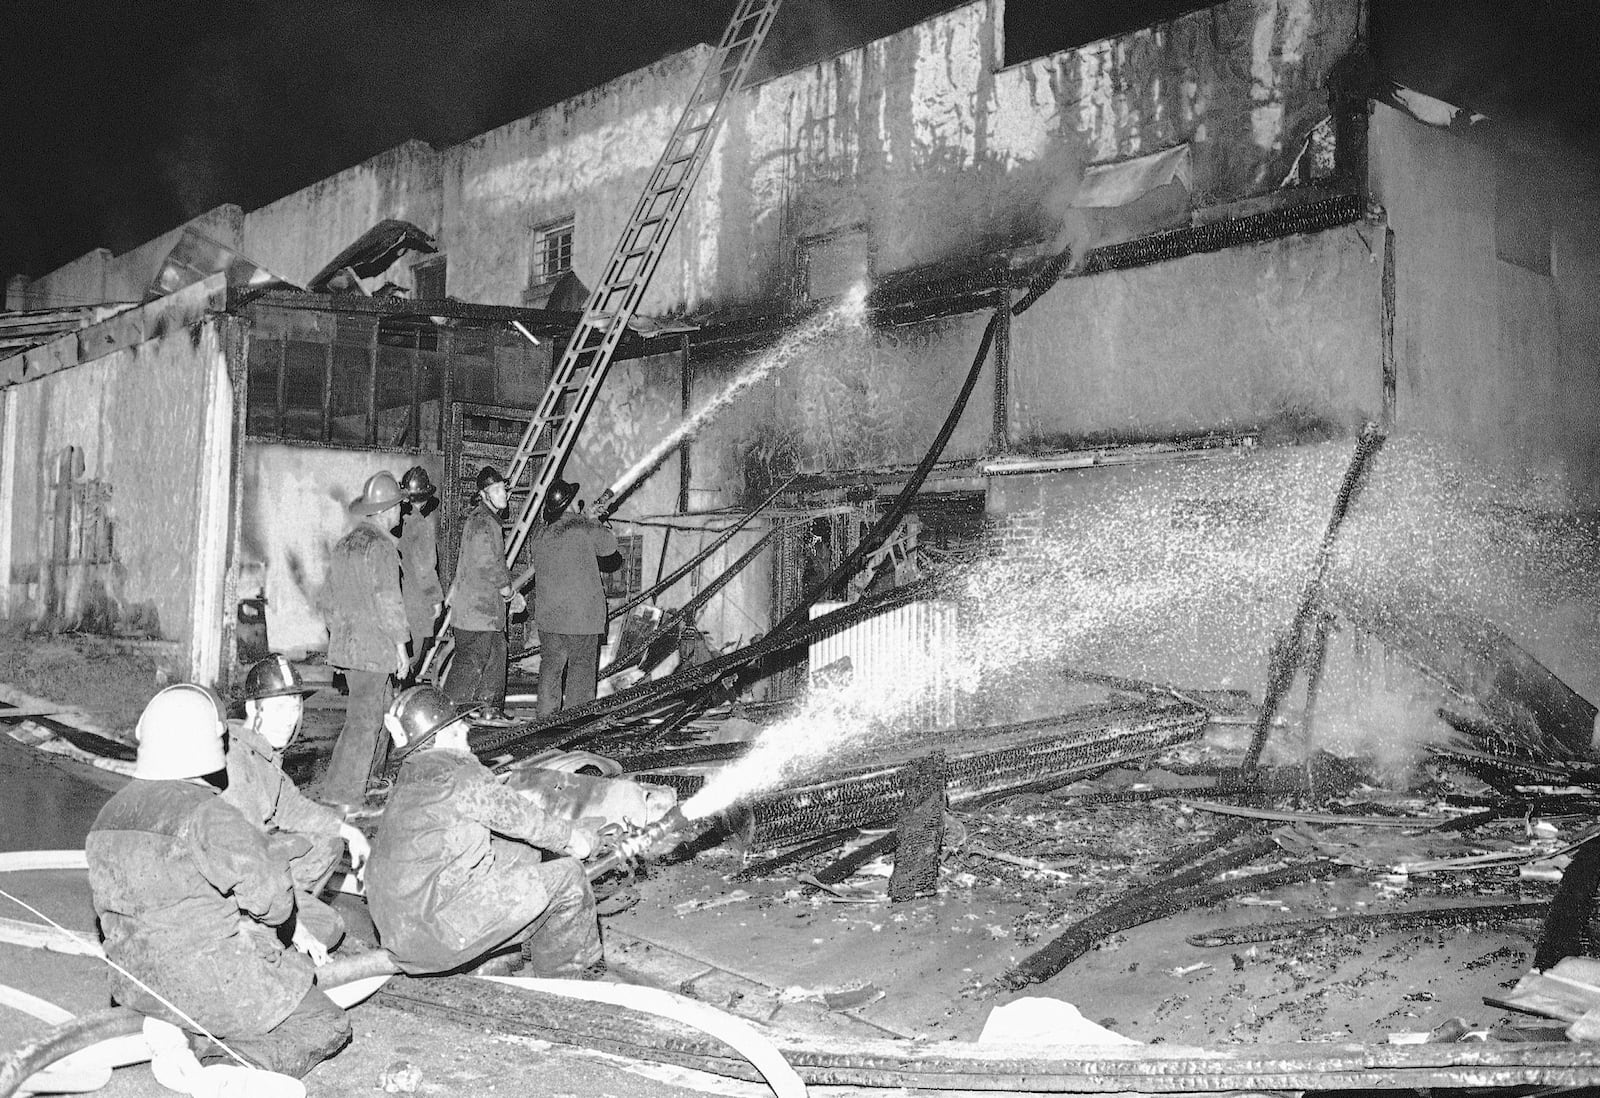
(1082,936)
(920,829)
(696,755)
(866,796)
(1289,650)
(1225,835)
(686,613)
(799,853)
(1381,923)
(1566,929)
(584,722)
(846,866)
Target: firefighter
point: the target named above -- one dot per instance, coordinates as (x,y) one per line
(194,903)
(419,560)
(456,873)
(274,704)
(367,635)
(479,599)
(569,551)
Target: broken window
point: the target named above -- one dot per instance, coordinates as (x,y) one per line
(552,251)
(834,263)
(427,280)
(628,580)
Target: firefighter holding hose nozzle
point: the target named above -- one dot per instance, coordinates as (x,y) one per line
(456,877)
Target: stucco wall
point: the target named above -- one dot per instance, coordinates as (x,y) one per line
(1490,357)
(292,513)
(587,157)
(920,136)
(296,236)
(1285,332)
(146,421)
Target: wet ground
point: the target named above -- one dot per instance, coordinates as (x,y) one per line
(830,965)
(43,804)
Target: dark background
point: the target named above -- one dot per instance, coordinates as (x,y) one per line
(121,120)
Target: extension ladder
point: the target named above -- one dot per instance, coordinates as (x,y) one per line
(575,382)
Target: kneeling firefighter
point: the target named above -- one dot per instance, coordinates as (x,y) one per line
(456,873)
(195,903)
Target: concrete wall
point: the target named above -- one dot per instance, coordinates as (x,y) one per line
(152,423)
(292,512)
(297,235)
(1284,333)
(1491,358)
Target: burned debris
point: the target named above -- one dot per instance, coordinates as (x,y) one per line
(917,614)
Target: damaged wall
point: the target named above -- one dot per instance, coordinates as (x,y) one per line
(134,543)
(296,236)
(857,398)
(920,138)
(1490,355)
(98,276)
(292,512)
(1281,336)
(587,158)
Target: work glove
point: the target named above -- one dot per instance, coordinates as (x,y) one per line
(307,943)
(359,848)
(586,841)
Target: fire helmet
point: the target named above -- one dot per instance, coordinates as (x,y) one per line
(559,498)
(180,734)
(275,677)
(417,714)
(415,484)
(380,493)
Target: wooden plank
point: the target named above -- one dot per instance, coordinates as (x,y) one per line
(17,713)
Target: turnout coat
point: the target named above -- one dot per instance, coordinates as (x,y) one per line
(446,882)
(189,898)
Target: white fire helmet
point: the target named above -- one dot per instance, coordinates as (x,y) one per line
(180,734)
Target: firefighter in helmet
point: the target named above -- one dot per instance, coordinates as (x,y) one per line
(195,903)
(274,703)
(456,874)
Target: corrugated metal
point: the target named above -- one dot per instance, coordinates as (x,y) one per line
(911,644)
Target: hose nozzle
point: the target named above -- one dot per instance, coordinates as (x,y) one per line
(632,847)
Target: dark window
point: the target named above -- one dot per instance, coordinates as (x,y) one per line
(552,251)
(628,580)
(1034,28)
(427,280)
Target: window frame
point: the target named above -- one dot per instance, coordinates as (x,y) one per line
(540,273)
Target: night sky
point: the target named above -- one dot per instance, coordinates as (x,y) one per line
(121,120)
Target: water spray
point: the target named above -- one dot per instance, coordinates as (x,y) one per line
(849,311)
